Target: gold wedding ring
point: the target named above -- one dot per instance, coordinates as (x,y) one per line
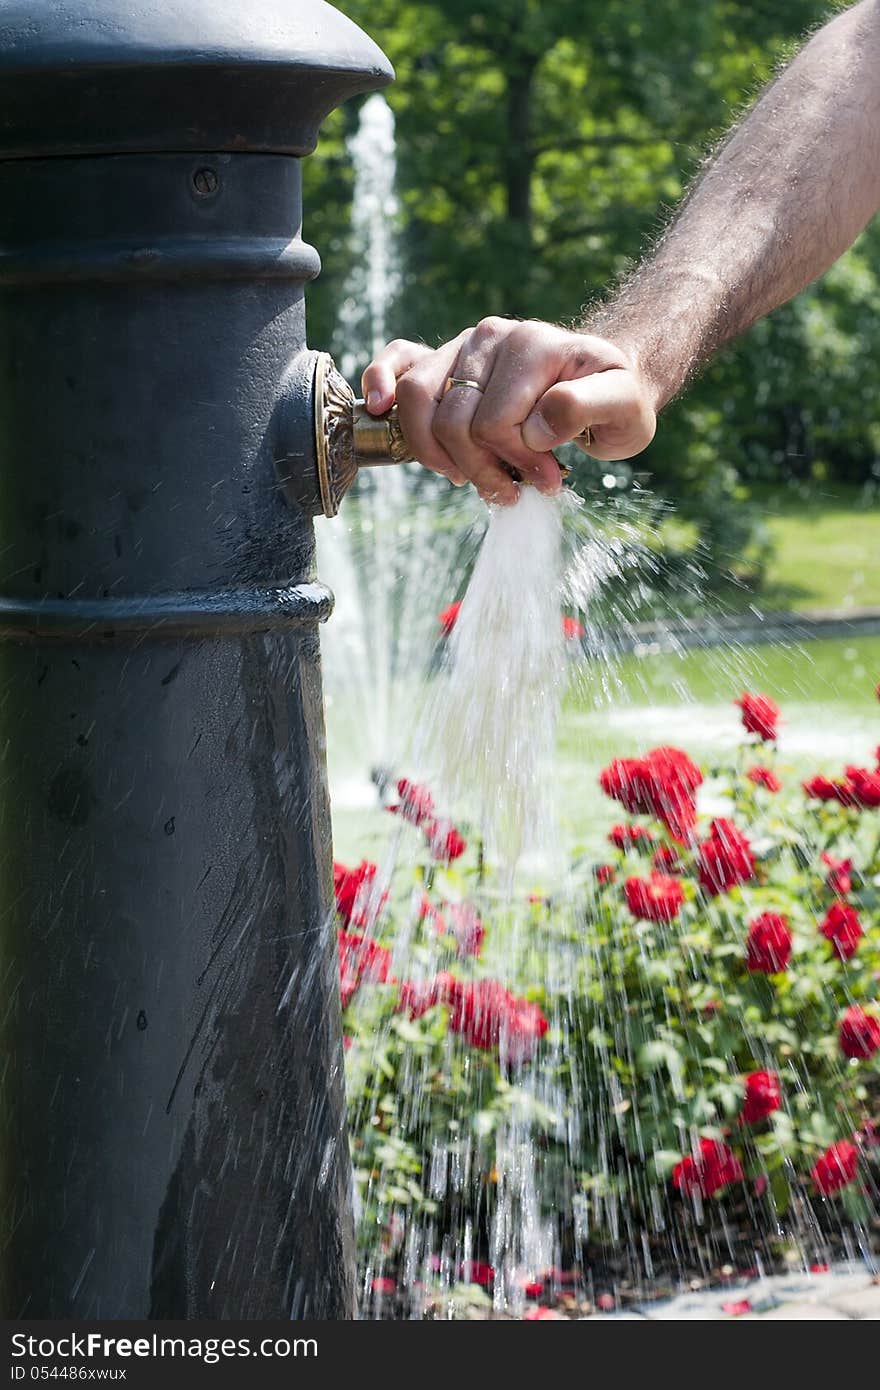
(463,381)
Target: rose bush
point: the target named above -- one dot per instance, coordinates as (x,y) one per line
(694,1021)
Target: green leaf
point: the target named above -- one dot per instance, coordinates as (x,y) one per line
(780,1189)
(663,1161)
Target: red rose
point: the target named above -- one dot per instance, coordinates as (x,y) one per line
(448,618)
(673,764)
(706,1173)
(764,777)
(623,780)
(674,783)
(864,787)
(843,929)
(477,1272)
(572,630)
(444,841)
(466,927)
(737,1310)
(839,878)
(658,898)
(725,858)
(490,1018)
(664,784)
(416,997)
(356,899)
(666,860)
(821,788)
(760,715)
(604,873)
(360,959)
(859,1033)
(429,913)
(763,1096)
(768,945)
(522,1030)
(627,837)
(835,1168)
(416,802)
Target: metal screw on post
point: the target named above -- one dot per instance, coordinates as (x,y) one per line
(206,182)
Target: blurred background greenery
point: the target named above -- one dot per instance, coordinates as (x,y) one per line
(541,145)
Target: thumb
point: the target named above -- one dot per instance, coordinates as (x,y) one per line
(610,402)
(560,414)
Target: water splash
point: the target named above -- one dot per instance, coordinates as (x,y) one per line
(500,703)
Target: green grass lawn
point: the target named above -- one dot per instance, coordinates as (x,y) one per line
(826,549)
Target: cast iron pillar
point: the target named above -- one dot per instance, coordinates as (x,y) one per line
(171,1116)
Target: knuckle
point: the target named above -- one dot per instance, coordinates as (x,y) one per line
(581,357)
(531,333)
(411,391)
(525,332)
(490,329)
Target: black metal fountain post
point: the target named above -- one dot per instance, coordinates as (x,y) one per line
(171,1120)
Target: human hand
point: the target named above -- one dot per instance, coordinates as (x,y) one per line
(539,386)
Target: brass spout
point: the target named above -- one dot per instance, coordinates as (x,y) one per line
(347,437)
(378,439)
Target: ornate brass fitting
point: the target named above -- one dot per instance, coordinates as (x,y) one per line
(347,437)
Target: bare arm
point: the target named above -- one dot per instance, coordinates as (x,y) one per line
(789,191)
(787,194)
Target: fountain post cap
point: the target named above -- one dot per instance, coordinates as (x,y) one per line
(81,77)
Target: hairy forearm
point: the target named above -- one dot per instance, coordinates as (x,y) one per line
(788,192)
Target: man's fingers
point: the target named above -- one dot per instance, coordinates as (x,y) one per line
(531,358)
(539,387)
(610,403)
(454,416)
(379,381)
(418,392)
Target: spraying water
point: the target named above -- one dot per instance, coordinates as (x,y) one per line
(501,700)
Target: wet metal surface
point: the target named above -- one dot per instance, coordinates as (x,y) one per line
(172,1141)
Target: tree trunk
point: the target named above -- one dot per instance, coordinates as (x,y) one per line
(520,159)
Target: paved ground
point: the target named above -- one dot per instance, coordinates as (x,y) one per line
(708,630)
(846,1293)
